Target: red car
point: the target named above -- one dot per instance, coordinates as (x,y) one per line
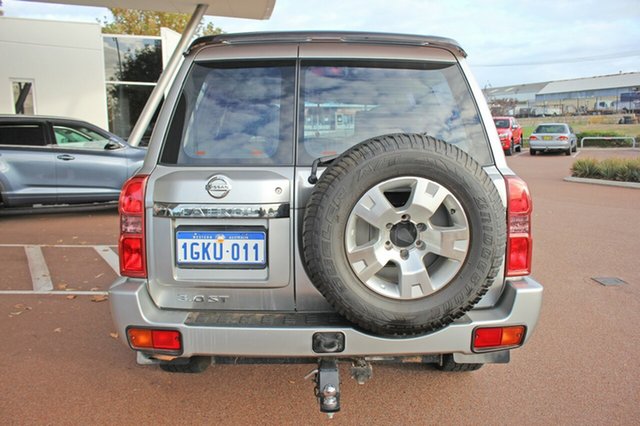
(510,134)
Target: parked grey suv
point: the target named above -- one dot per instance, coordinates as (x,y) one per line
(315,197)
(53,160)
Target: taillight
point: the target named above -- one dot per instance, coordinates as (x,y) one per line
(533,138)
(519,241)
(133,260)
(563,138)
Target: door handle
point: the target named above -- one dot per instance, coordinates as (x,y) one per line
(66,157)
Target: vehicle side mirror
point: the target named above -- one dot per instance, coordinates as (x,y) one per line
(111,145)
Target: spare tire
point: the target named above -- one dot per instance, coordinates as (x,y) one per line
(403,234)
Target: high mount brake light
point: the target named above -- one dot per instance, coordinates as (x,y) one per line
(519,241)
(133,262)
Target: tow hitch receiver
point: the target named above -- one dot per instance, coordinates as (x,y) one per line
(327,380)
(327,390)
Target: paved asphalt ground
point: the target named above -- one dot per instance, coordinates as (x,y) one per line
(59,363)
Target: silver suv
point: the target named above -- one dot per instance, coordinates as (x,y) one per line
(315,197)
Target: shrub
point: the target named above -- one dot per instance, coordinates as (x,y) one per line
(619,169)
(610,167)
(585,168)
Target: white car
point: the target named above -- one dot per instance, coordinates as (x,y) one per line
(553,137)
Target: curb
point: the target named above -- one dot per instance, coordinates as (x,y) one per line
(632,185)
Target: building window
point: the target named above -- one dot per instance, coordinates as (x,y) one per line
(132,68)
(23,97)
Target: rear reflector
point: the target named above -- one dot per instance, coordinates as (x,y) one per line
(498,337)
(519,241)
(144,338)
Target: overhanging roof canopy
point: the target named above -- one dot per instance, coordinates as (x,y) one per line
(250,9)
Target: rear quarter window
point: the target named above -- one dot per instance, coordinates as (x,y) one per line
(22,134)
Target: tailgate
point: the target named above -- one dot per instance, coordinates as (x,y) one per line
(220,239)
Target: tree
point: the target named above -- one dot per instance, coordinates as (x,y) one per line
(146,22)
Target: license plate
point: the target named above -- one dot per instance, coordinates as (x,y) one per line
(212,248)
(547,138)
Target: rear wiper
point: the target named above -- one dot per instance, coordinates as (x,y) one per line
(321,161)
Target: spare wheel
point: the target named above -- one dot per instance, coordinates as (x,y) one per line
(403,234)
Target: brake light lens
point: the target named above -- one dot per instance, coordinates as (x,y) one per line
(519,240)
(498,337)
(132,233)
(533,138)
(563,138)
(165,340)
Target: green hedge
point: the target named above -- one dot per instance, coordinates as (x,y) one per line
(601,143)
(618,169)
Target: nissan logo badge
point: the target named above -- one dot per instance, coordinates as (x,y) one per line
(218,186)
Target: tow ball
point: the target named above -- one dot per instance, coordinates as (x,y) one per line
(327,382)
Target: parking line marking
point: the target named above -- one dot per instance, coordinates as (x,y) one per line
(40,275)
(110,257)
(576,154)
(55,293)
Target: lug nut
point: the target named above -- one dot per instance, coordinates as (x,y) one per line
(388,245)
(405,217)
(419,244)
(389,225)
(404,253)
(421,227)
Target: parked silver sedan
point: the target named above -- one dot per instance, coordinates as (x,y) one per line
(50,160)
(553,137)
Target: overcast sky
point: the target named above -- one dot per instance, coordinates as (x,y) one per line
(508,41)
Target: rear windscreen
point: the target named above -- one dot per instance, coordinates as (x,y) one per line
(233,114)
(243,112)
(551,128)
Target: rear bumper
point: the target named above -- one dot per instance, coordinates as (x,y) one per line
(549,146)
(131,305)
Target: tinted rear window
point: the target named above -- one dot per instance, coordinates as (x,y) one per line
(551,128)
(22,134)
(346,102)
(235,113)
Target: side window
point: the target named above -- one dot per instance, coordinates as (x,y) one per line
(70,136)
(22,134)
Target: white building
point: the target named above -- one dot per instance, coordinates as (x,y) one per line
(71,69)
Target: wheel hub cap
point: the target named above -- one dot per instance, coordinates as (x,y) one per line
(404,234)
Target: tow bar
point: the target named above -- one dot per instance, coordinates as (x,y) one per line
(327,382)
